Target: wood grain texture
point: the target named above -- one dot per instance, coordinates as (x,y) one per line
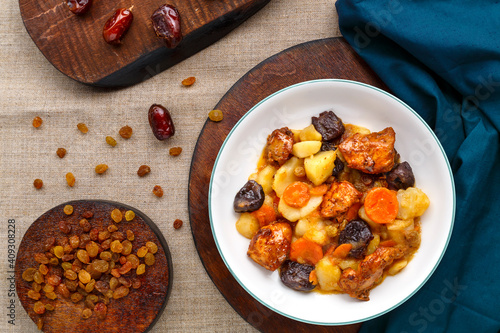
(326,58)
(75,46)
(135,313)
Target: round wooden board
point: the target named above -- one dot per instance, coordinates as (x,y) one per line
(319,59)
(135,313)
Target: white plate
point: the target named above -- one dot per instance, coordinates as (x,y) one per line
(354,103)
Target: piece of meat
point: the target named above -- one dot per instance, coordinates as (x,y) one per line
(279,145)
(358,283)
(371,153)
(271,245)
(339,198)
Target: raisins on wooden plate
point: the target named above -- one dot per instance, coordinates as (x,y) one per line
(76,269)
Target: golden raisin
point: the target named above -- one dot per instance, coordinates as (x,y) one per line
(70,275)
(34,295)
(29,273)
(64,227)
(130,235)
(76,297)
(84,276)
(86,313)
(36,287)
(125,132)
(38,277)
(49,307)
(216,115)
(143,170)
(116,215)
(100,310)
(149,259)
(110,141)
(129,215)
(92,249)
(120,292)
(41,258)
(175,151)
(158,191)
(116,246)
(52,295)
(101,168)
(58,251)
(83,256)
(152,247)
(142,252)
(189,81)
(48,288)
(38,183)
(39,308)
(127,247)
(86,226)
(82,127)
(68,209)
(43,269)
(37,122)
(177,224)
(132,258)
(141,269)
(70,179)
(61,152)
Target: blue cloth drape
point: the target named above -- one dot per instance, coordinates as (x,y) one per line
(443,59)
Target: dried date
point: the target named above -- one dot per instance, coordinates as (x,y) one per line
(79,7)
(117,26)
(161,122)
(167,25)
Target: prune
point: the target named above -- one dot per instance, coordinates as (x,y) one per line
(167,25)
(79,7)
(327,145)
(339,166)
(328,125)
(296,276)
(117,25)
(358,234)
(249,198)
(400,177)
(161,122)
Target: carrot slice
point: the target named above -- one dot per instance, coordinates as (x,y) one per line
(306,251)
(381,205)
(319,190)
(352,213)
(265,215)
(313,278)
(388,243)
(296,195)
(342,251)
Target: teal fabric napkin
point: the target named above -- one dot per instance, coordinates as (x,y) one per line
(443,59)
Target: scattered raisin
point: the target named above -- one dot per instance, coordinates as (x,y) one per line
(175,151)
(110,141)
(141,269)
(130,235)
(120,292)
(125,132)
(34,295)
(143,170)
(61,152)
(68,209)
(142,252)
(39,308)
(100,310)
(86,313)
(216,115)
(158,191)
(149,259)
(87,214)
(41,258)
(116,215)
(129,215)
(177,223)
(189,81)
(38,183)
(85,225)
(70,179)
(82,127)
(28,274)
(101,168)
(37,122)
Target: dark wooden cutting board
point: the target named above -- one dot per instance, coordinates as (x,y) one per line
(325,58)
(75,46)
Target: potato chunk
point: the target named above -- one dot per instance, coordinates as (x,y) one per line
(320,166)
(271,245)
(310,134)
(306,148)
(247,225)
(294,214)
(413,202)
(328,274)
(265,178)
(286,175)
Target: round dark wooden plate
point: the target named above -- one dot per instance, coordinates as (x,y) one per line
(138,311)
(319,59)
